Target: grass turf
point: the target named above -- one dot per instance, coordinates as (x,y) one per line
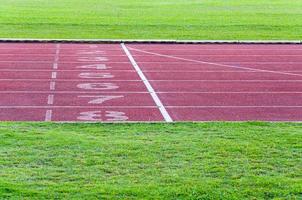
(151,161)
(156,19)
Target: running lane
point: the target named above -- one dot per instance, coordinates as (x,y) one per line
(225,82)
(72,82)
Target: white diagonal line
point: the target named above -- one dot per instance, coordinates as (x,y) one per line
(156,99)
(212,63)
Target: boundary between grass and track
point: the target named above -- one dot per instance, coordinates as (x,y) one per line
(149,87)
(118,41)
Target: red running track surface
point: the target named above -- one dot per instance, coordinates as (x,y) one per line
(153,82)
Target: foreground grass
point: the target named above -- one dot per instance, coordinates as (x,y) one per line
(151,161)
(156,19)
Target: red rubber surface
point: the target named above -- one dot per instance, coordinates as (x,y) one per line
(97,82)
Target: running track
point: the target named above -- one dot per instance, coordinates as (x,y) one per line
(150,82)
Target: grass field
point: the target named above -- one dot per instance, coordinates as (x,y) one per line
(156,19)
(151,161)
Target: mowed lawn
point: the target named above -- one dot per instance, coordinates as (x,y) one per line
(156,19)
(151,161)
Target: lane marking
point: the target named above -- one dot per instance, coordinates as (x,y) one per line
(155,62)
(48,115)
(151,71)
(139,107)
(118,80)
(50,99)
(52,85)
(160,92)
(86,107)
(235,106)
(67,70)
(213,63)
(150,89)
(54,75)
(82,55)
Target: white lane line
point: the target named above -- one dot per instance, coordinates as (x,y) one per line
(48,115)
(54,75)
(86,107)
(50,99)
(55,64)
(150,62)
(234,106)
(52,85)
(156,99)
(166,80)
(216,64)
(72,70)
(150,71)
(173,54)
(161,92)
(147,107)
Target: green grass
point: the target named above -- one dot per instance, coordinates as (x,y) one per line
(156,19)
(151,161)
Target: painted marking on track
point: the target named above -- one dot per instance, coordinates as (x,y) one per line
(147,107)
(54,75)
(212,63)
(99,99)
(152,92)
(94,52)
(98,86)
(94,66)
(86,107)
(91,75)
(94,59)
(48,115)
(52,85)
(50,99)
(98,116)
(120,80)
(161,92)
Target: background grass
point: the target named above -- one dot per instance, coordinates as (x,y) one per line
(156,19)
(151,161)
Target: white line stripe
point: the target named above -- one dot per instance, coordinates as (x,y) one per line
(54,75)
(48,115)
(168,49)
(50,99)
(55,64)
(234,106)
(52,85)
(150,71)
(150,62)
(217,64)
(151,107)
(140,55)
(103,80)
(72,70)
(51,107)
(148,85)
(160,92)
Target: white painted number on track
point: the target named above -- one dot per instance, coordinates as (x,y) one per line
(97,116)
(99,99)
(94,66)
(95,75)
(98,86)
(116,116)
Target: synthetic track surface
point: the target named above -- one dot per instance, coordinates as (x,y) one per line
(150,82)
